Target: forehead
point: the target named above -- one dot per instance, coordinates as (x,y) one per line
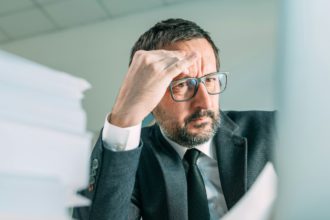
(206,63)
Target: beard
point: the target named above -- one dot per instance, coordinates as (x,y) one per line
(183,135)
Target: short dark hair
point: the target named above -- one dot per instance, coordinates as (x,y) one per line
(169,31)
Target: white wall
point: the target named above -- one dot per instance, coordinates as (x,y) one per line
(304,121)
(245,32)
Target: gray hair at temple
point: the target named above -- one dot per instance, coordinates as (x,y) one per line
(169,31)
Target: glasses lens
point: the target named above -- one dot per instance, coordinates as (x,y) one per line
(222,81)
(212,84)
(184,89)
(215,83)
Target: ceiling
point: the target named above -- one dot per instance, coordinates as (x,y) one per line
(21,19)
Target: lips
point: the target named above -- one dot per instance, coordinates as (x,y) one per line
(200,119)
(200,116)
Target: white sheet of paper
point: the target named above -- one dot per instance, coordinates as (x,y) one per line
(257,203)
(39,151)
(75,200)
(45,149)
(15,216)
(36,108)
(15,70)
(24,196)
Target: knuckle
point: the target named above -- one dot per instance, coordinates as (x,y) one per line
(147,60)
(153,67)
(138,53)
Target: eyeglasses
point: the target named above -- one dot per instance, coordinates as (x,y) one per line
(186,88)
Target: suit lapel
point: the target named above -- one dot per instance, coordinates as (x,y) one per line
(231,152)
(174,177)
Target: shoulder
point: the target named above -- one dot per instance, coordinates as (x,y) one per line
(148,131)
(251,114)
(255,117)
(253,121)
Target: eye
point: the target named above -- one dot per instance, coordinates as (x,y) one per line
(210,79)
(185,84)
(181,85)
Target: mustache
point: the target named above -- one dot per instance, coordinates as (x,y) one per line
(200,113)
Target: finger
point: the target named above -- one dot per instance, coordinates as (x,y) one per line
(153,56)
(170,57)
(170,53)
(165,62)
(181,66)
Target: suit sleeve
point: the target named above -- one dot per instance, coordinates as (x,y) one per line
(112,182)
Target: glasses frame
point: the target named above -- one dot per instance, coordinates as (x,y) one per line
(199,80)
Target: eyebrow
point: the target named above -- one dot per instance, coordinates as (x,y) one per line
(184,76)
(181,76)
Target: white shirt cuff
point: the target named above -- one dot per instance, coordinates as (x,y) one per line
(120,139)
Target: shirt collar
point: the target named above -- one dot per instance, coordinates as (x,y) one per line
(207,148)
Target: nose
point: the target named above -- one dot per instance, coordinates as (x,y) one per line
(202,98)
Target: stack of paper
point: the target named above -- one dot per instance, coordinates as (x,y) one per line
(44,151)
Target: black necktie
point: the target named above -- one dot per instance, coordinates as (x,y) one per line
(198,208)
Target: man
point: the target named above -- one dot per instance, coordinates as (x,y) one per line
(196,162)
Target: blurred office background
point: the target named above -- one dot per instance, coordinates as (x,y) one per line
(92,39)
(278,57)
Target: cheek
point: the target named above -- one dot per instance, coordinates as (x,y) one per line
(183,111)
(176,111)
(167,107)
(215,101)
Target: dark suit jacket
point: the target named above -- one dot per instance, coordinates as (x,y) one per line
(150,181)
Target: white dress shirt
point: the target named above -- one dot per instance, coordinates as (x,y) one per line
(120,139)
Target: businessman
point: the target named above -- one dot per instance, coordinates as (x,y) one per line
(196,161)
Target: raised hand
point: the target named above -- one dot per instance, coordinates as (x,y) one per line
(146,82)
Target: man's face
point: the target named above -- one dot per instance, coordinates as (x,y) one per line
(195,121)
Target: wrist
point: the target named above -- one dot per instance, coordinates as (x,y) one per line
(123,121)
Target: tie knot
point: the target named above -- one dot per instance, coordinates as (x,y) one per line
(191,156)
